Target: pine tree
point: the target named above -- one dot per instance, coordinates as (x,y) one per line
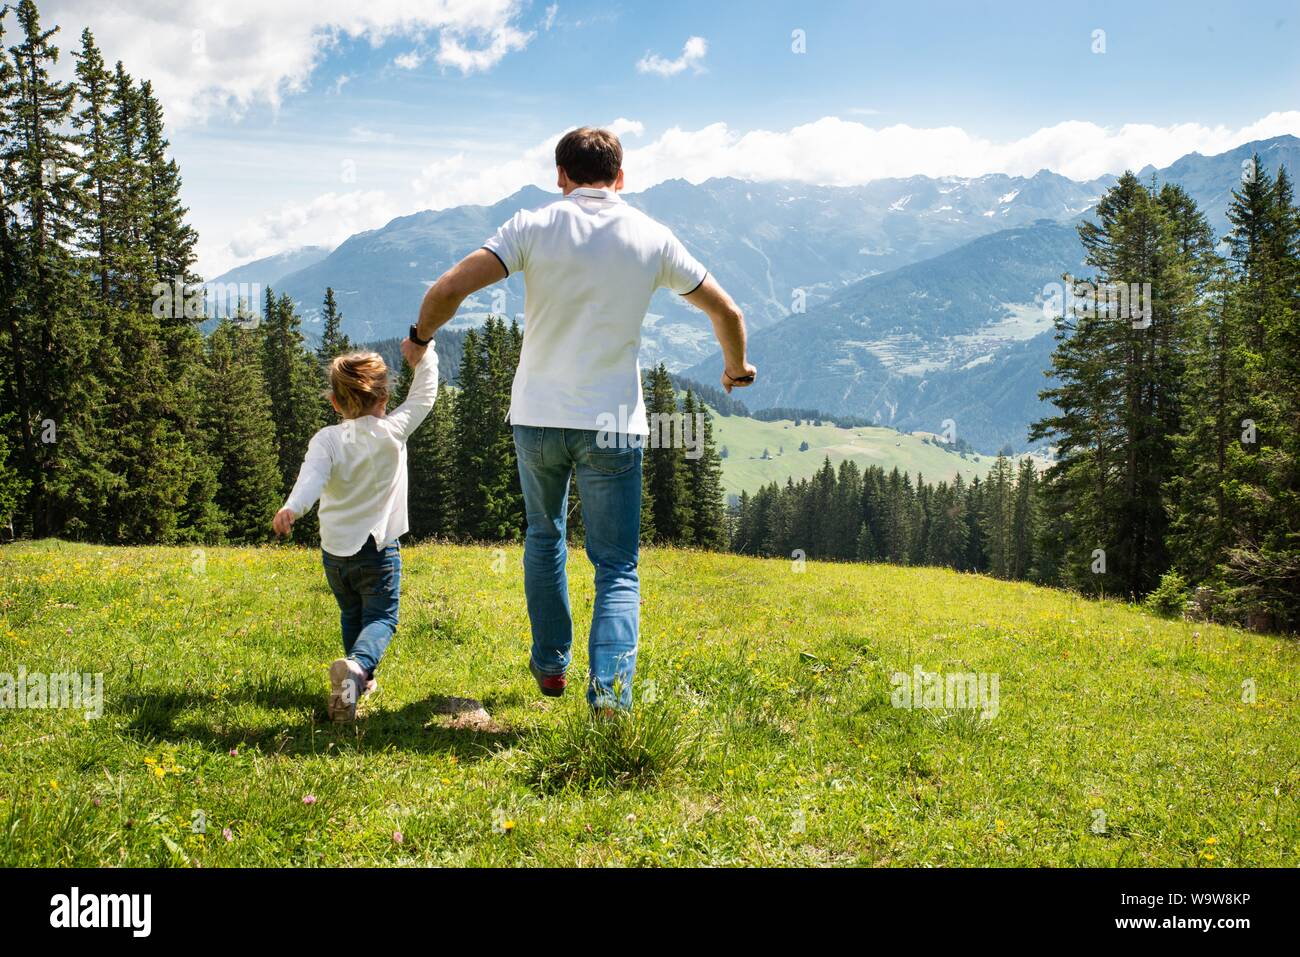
(742,536)
(772,520)
(13,487)
(948,525)
(870,544)
(922,505)
(503,499)
(704,478)
(294,383)
(48,351)
(488,494)
(430,463)
(976,557)
(130,269)
(1024,522)
(846,505)
(897,540)
(241,433)
(169,238)
(1262,488)
(171,249)
(333,342)
(92,123)
(1119,394)
(470,415)
(996,518)
(14,354)
(665,469)
(1201,525)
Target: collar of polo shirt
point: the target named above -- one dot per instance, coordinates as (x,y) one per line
(597,192)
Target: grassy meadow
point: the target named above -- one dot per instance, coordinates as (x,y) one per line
(745,469)
(764,732)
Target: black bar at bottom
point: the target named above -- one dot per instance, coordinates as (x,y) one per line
(1216,905)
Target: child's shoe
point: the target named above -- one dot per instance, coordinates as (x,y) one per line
(348,682)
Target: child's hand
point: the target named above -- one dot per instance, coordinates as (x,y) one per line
(283,523)
(412,352)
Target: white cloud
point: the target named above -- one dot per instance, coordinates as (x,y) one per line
(549,20)
(452,52)
(830,151)
(208,58)
(692,56)
(363,134)
(409,61)
(834,151)
(837,152)
(341,81)
(326,220)
(622,127)
(459,181)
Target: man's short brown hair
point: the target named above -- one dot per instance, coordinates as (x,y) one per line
(589,156)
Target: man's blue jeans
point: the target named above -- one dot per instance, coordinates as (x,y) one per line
(609,485)
(367,586)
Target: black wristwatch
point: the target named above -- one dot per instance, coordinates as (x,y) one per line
(414,335)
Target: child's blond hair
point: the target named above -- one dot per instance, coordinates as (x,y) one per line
(358,381)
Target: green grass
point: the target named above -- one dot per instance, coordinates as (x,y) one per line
(744,468)
(771,739)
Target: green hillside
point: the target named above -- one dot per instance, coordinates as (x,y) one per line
(1118,738)
(745,469)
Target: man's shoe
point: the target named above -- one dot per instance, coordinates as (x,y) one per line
(347,684)
(550,685)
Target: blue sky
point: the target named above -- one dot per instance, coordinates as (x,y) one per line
(301,121)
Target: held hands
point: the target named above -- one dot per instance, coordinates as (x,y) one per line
(739,378)
(412,352)
(283,523)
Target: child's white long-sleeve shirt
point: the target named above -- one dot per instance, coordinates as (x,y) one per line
(358,470)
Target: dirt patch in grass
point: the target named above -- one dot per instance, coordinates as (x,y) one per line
(464,714)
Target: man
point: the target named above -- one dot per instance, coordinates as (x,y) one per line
(590,264)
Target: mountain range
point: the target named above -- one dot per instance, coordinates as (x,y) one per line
(910,301)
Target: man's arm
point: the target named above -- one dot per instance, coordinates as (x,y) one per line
(728,327)
(480,268)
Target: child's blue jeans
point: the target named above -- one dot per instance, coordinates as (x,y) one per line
(366,586)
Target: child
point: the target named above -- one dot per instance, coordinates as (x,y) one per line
(358,470)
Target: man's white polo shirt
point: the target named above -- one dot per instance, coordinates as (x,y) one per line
(591,263)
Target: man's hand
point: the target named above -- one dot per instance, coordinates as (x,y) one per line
(738,379)
(413,352)
(283,523)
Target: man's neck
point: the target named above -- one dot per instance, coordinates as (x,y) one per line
(572,186)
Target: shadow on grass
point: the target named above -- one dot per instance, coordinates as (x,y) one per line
(280,717)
